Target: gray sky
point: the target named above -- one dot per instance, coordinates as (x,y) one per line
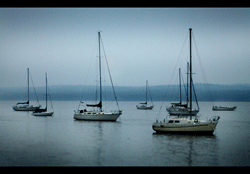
(140,44)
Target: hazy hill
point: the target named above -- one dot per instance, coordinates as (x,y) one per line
(205,92)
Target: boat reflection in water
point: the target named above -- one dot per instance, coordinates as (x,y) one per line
(187,150)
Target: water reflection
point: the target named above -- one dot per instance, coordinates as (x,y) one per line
(60,140)
(100,145)
(186,150)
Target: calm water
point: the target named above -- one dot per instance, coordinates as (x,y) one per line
(61,140)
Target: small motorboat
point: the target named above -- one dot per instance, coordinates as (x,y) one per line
(145,107)
(224,108)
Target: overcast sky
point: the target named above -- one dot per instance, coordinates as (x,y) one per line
(140,44)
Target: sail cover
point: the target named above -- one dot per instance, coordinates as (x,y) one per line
(40,110)
(99,105)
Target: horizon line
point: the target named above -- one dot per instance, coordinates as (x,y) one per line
(128,85)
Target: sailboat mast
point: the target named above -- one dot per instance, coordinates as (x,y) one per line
(100,68)
(28,85)
(180,83)
(146,92)
(187,81)
(190,66)
(46,90)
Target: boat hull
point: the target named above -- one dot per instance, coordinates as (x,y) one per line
(224,108)
(42,113)
(25,108)
(200,128)
(101,116)
(187,132)
(144,107)
(183,112)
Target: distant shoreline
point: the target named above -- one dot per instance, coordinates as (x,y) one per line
(204,92)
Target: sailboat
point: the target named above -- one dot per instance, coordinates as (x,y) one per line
(184,125)
(24,106)
(144,106)
(182,109)
(43,112)
(99,114)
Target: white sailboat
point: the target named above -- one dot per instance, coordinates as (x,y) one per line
(24,106)
(144,106)
(99,114)
(43,112)
(186,125)
(183,109)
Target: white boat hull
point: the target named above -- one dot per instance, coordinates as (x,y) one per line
(182,111)
(97,116)
(144,107)
(187,127)
(25,108)
(42,113)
